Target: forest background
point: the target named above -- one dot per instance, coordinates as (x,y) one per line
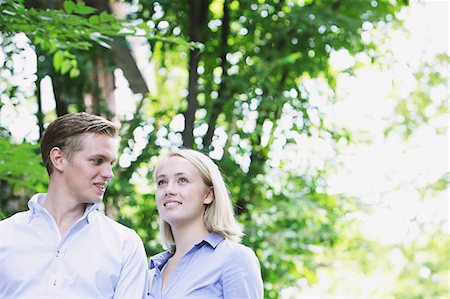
(328,118)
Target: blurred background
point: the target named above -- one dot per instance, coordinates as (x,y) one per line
(329,119)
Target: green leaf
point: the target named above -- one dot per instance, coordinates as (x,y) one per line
(58,59)
(69,6)
(94,20)
(74,72)
(67,54)
(65,66)
(105,17)
(83,9)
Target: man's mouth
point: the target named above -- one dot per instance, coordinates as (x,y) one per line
(100,186)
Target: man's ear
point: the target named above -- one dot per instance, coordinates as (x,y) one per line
(209,196)
(57,159)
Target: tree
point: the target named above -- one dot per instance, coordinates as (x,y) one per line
(242,98)
(246,96)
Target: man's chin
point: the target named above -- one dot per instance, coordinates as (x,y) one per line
(94,200)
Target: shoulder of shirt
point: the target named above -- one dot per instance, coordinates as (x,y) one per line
(113,224)
(236,250)
(17,218)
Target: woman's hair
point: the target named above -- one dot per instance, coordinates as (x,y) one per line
(66,131)
(219,214)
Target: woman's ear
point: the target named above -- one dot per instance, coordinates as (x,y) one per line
(209,196)
(57,159)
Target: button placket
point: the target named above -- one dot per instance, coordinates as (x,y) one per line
(56,278)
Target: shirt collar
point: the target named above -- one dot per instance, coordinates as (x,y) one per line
(36,206)
(160,259)
(88,213)
(212,239)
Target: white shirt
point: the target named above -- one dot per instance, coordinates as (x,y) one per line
(97,258)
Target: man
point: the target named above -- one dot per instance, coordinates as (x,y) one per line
(63,247)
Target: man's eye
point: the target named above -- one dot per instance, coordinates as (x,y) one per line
(97,161)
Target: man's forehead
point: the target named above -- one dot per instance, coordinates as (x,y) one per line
(97,144)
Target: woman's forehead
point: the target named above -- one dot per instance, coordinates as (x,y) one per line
(177,164)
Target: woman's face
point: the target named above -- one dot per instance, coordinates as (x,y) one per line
(181,194)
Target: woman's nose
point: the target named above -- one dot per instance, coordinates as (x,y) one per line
(170,187)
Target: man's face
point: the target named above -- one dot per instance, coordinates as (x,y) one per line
(87,173)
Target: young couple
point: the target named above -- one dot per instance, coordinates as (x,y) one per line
(63,247)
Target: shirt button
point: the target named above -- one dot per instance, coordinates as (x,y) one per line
(57,253)
(51,226)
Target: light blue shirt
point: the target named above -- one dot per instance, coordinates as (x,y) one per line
(97,258)
(213,268)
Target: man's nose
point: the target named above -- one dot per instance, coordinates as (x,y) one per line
(107,172)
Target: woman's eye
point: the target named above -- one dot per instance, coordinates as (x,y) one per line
(159,183)
(183,180)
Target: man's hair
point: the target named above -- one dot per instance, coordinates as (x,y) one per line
(65,133)
(219,214)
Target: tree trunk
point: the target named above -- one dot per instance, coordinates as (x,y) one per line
(198,18)
(222,97)
(61,104)
(123,57)
(39,114)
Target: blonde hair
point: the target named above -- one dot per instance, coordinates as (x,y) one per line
(219,215)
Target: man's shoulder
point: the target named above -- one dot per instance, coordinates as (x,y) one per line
(113,225)
(17,218)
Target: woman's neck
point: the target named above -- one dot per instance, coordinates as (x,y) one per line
(187,236)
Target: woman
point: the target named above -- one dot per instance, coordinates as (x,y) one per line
(197,225)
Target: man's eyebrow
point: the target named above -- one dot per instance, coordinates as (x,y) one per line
(98,156)
(104,157)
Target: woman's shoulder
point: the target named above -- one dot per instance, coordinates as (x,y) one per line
(237,251)
(241,261)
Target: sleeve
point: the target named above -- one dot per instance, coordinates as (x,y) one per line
(132,281)
(241,276)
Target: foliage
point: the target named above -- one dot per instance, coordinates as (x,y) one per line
(359,267)
(60,30)
(428,101)
(243,98)
(250,103)
(21,164)
(426,267)
(75,26)
(21,171)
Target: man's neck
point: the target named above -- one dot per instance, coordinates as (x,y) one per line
(64,211)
